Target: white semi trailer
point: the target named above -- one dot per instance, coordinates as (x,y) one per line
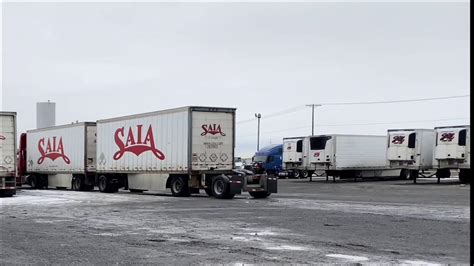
(293,158)
(453,151)
(185,149)
(411,150)
(7,154)
(346,156)
(59,156)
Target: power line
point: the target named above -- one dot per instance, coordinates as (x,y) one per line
(283,112)
(362,124)
(300,107)
(399,101)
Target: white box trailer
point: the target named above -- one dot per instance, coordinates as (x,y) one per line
(7,153)
(347,156)
(60,156)
(411,150)
(185,149)
(453,151)
(293,157)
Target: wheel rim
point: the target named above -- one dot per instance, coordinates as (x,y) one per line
(177,186)
(297,174)
(218,187)
(305,174)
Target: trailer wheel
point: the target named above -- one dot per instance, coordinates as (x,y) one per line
(78,183)
(7,193)
(404,174)
(413,174)
(296,174)
(221,188)
(259,194)
(105,186)
(443,173)
(36,182)
(179,186)
(464,176)
(304,174)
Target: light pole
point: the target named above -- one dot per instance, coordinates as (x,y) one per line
(258,116)
(312,116)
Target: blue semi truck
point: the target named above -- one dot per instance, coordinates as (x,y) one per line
(269,159)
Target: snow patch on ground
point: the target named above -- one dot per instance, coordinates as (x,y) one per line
(347,257)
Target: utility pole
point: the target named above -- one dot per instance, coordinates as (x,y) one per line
(312,116)
(258,116)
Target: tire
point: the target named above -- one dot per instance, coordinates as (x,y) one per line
(443,173)
(221,188)
(78,183)
(36,182)
(404,174)
(412,174)
(304,174)
(7,193)
(179,186)
(33,182)
(464,176)
(105,186)
(208,192)
(296,174)
(259,194)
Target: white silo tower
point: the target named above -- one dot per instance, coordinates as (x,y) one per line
(45,114)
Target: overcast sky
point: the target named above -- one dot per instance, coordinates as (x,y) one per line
(105,60)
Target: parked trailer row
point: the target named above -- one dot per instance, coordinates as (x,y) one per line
(439,150)
(343,156)
(406,153)
(183,149)
(7,153)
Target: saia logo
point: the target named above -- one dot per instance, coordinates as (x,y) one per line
(53,149)
(212,129)
(398,139)
(447,137)
(135,142)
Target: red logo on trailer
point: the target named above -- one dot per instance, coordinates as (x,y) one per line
(447,137)
(398,139)
(135,142)
(2,137)
(53,149)
(212,129)
(316,154)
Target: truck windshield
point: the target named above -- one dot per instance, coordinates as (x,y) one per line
(319,143)
(260,159)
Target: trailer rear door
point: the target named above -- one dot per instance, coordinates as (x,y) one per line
(212,140)
(7,144)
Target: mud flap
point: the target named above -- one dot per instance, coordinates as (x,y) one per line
(272,184)
(235,184)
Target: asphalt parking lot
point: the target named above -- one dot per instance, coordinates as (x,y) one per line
(318,222)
